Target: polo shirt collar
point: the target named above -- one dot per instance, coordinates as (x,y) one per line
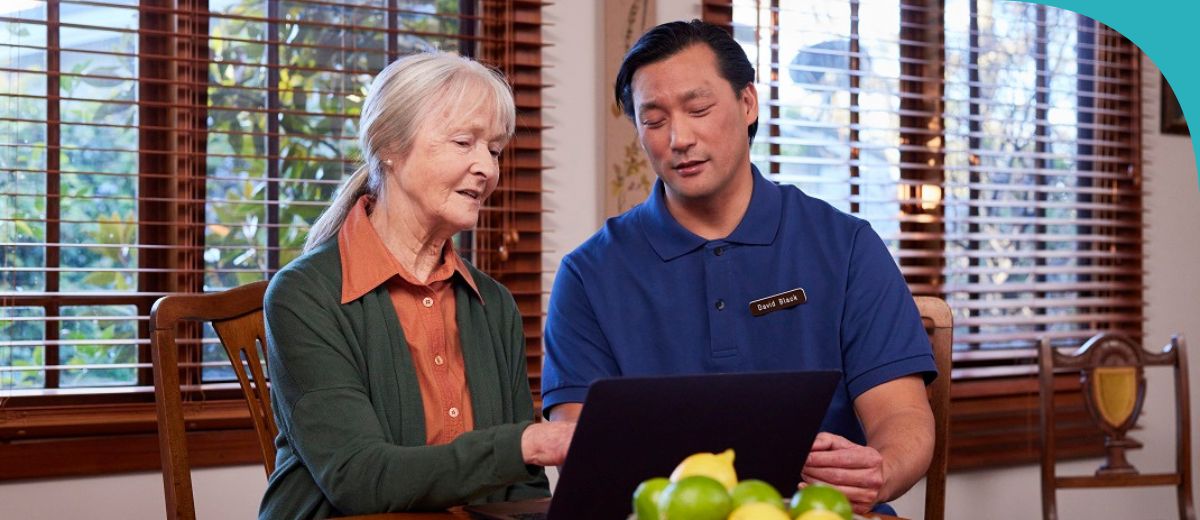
(760,224)
(367,263)
(671,240)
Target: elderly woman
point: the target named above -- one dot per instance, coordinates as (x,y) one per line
(397,369)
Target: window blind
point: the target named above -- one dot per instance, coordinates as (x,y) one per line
(995,146)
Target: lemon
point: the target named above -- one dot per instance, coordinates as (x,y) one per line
(717,466)
(819,514)
(759,511)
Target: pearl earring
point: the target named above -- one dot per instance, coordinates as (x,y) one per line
(387,162)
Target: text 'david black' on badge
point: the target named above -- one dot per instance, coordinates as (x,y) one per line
(783,300)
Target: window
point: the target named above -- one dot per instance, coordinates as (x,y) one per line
(995,146)
(184,146)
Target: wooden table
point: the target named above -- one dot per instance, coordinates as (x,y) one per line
(458,513)
(412,516)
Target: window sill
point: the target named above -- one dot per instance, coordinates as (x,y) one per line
(995,423)
(55,441)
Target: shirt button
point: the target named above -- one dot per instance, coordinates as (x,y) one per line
(453,413)
(719,251)
(720,305)
(428,302)
(437,360)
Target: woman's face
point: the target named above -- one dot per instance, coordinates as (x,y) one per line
(452,167)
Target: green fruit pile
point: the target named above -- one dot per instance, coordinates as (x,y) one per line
(705,487)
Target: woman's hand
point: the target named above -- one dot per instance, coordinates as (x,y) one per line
(545,443)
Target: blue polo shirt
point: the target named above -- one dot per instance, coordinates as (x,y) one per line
(645,296)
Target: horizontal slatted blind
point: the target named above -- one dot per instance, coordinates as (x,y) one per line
(184,146)
(831,114)
(1043,202)
(508,239)
(995,147)
(71,302)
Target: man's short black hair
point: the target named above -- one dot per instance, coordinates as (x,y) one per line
(669,39)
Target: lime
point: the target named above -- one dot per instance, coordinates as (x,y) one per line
(645,498)
(759,511)
(718,467)
(819,514)
(752,491)
(820,497)
(694,498)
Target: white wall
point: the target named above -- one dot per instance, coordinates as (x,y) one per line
(1172,247)
(574,140)
(231,492)
(575,111)
(671,10)
(576,100)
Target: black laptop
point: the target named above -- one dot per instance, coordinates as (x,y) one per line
(635,428)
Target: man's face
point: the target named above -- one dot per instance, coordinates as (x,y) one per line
(692,124)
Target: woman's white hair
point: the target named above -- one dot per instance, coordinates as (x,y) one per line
(403,96)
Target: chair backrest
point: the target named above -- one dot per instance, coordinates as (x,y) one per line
(939,323)
(1114,387)
(237,317)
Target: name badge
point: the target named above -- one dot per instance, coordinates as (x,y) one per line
(783,300)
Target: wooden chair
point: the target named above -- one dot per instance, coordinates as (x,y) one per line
(237,316)
(1114,388)
(939,323)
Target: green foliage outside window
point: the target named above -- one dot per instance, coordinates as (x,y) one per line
(324,75)
(324,70)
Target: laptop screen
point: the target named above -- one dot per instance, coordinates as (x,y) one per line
(635,428)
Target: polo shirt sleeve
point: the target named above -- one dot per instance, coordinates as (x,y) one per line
(577,352)
(882,334)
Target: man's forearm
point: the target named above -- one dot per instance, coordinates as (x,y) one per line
(899,425)
(906,450)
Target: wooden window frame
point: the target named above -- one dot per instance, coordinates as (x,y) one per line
(104,431)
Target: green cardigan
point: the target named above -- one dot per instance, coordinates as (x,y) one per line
(351,421)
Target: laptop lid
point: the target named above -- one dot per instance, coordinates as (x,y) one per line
(635,428)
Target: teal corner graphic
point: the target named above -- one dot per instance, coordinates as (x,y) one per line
(1162,29)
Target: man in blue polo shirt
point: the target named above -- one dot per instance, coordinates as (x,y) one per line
(722,270)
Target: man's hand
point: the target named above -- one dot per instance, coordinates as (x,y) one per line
(899,425)
(546,443)
(855,470)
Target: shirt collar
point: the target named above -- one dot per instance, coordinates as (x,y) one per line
(671,240)
(367,263)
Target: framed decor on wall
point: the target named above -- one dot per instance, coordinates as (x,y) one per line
(1172,120)
(627,175)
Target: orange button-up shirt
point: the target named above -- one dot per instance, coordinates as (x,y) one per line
(427,315)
